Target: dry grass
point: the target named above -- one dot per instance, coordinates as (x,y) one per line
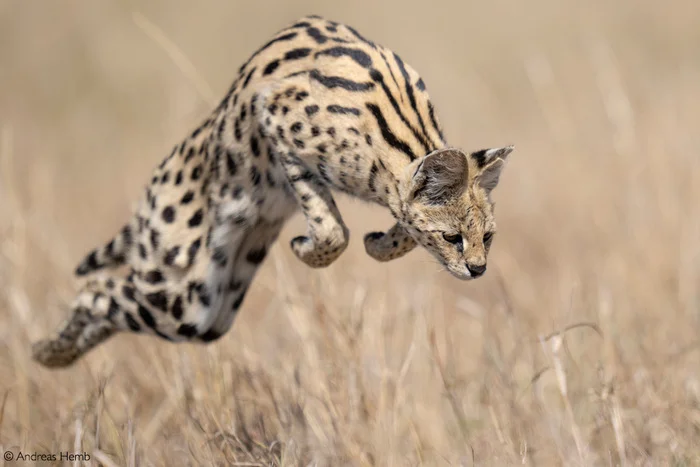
(579,347)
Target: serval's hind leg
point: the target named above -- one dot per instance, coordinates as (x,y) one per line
(101,309)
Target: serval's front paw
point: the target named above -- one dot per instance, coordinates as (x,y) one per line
(388,246)
(320,252)
(374,246)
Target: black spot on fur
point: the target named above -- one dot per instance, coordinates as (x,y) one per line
(147,317)
(373,177)
(168,214)
(253,104)
(171,255)
(196,173)
(109,249)
(296,54)
(176,308)
(187,330)
(222,126)
(210,335)
(311,109)
(154,276)
(196,218)
(192,287)
(256,256)
(158,299)
(190,154)
(126,235)
(239,301)
(271,67)
(155,239)
(193,249)
(323,172)
(316,35)
(129,292)
(187,197)
(231,164)
(255,175)
(90,264)
(254,146)
(131,322)
(113,309)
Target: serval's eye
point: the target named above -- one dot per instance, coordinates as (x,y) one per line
(453,238)
(488,236)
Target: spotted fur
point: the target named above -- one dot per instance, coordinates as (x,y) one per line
(317,108)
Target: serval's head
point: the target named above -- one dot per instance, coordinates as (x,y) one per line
(447,207)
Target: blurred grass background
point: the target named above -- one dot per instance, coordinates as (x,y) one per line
(579,347)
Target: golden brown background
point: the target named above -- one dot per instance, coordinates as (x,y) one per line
(578,347)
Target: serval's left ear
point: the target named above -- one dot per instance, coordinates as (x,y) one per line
(489,164)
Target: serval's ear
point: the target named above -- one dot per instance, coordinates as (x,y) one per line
(439,176)
(489,164)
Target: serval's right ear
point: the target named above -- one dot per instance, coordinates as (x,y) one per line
(438,177)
